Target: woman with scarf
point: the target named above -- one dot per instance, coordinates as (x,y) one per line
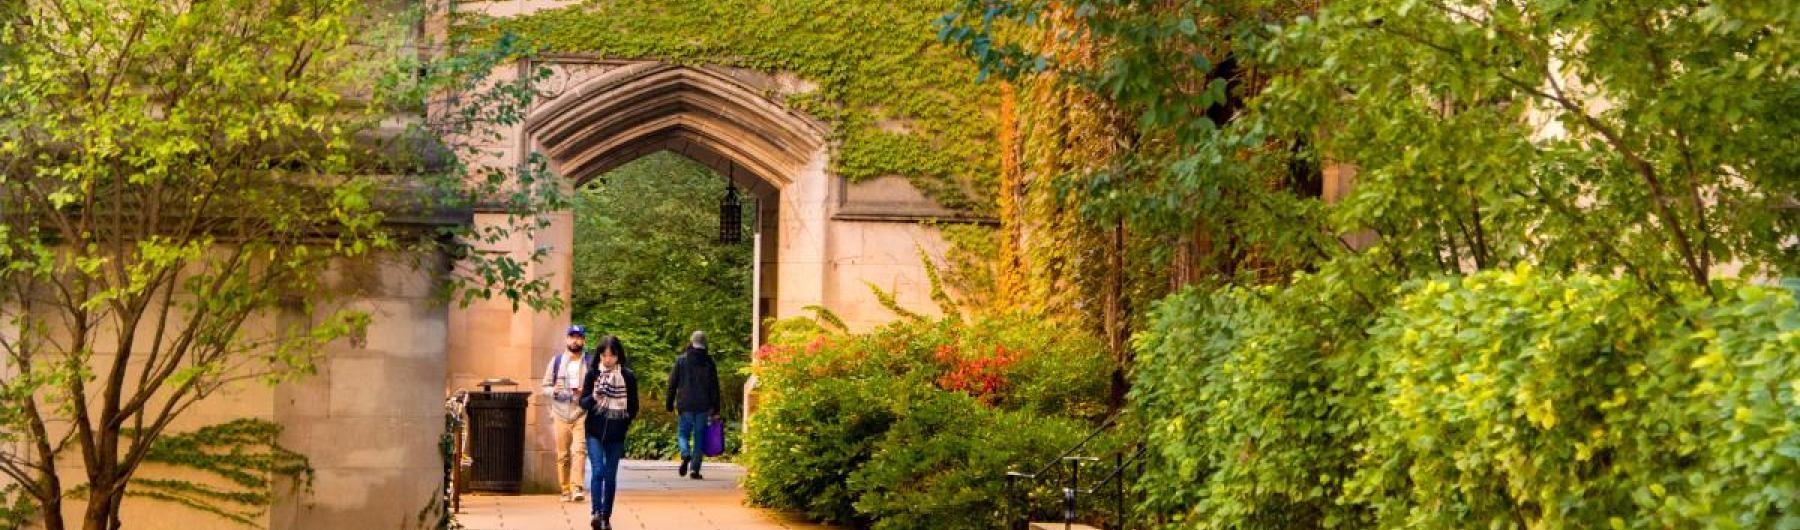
(609,396)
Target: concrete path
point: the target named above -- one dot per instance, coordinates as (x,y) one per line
(651,497)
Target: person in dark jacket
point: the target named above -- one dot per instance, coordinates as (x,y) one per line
(609,397)
(694,393)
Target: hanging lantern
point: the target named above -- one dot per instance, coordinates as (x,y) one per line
(731,216)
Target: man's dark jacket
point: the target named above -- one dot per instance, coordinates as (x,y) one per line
(608,429)
(693,383)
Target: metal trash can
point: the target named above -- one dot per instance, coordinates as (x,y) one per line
(497,438)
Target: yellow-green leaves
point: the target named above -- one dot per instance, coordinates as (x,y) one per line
(1571,401)
(1607,395)
(178,174)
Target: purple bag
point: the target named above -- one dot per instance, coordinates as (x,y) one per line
(714,442)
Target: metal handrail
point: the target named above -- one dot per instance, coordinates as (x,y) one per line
(1118,469)
(1117,477)
(1071,489)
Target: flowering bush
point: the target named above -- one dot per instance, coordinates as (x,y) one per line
(983,377)
(914,424)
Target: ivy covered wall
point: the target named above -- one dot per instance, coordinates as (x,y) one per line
(900,104)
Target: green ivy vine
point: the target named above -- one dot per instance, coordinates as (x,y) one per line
(243,452)
(16,507)
(899,103)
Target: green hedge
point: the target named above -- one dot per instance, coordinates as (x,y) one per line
(913,425)
(1248,403)
(1501,400)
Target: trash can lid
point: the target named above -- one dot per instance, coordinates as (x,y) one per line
(487,385)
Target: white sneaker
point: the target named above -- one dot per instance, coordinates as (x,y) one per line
(565,497)
(579,496)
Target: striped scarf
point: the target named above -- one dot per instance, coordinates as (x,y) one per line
(609,393)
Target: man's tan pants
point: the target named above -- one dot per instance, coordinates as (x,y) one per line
(571,441)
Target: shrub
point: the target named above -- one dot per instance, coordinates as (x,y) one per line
(1250,407)
(914,424)
(1584,402)
(1502,399)
(940,463)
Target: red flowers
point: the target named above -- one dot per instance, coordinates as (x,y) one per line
(771,353)
(981,376)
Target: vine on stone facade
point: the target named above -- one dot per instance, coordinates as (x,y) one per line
(900,103)
(241,457)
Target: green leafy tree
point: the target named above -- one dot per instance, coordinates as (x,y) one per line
(174,176)
(1651,139)
(1647,143)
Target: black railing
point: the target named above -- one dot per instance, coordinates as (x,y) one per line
(1018,507)
(1116,478)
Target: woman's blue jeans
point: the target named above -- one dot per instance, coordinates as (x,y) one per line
(603,473)
(688,430)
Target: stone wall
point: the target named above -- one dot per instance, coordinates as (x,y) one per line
(368,421)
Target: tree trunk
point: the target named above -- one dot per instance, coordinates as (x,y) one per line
(53,518)
(1116,316)
(100,509)
(102,505)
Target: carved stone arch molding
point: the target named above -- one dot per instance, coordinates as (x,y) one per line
(596,115)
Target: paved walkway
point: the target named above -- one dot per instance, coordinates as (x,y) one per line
(651,497)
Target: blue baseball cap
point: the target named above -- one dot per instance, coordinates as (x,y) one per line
(578,330)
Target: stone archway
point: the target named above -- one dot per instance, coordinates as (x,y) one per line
(596,116)
(821,241)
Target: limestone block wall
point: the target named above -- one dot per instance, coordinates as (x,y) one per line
(368,420)
(886,255)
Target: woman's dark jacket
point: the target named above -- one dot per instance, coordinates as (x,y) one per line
(608,429)
(693,383)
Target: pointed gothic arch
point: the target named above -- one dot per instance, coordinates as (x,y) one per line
(713,115)
(820,240)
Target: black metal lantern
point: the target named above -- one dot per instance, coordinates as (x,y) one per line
(731,216)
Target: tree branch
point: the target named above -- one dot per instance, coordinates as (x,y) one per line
(1645,170)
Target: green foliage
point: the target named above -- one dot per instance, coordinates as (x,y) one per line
(649,269)
(827,317)
(1518,399)
(1503,399)
(16,507)
(939,465)
(1252,407)
(242,452)
(887,301)
(648,264)
(912,425)
(1651,138)
(900,105)
(1134,109)
(805,444)
(184,175)
(1631,149)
